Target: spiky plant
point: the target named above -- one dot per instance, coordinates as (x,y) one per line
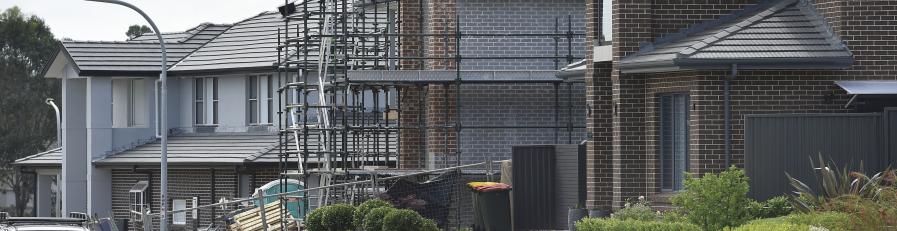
(834,182)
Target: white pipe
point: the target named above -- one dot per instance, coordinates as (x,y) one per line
(51,102)
(163,223)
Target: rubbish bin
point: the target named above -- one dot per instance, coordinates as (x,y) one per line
(492,206)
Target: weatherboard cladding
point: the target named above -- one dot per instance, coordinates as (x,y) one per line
(774,34)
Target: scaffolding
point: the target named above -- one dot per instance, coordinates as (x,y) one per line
(340,123)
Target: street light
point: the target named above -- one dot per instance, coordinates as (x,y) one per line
(163,125)
(59,180)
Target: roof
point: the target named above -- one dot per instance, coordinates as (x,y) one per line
(251,43)
(49,158)
(786,34)
(574,72)
(869,87)
(212,149)
(139,55)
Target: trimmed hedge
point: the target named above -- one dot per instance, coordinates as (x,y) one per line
(373,221)
(802,221)
(402,220)
(601,224)
(313,221)
(362,210)
(338,217)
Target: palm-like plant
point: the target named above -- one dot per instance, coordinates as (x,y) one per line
(835,182)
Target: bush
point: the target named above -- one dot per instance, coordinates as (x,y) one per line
(373,221)
(337,217)
(770,225)
(832,182)
(798,221)
(402,220)
(364,208)
(429,225)
(598,224)
(869,214)
(673,216)
(716,200)
(313,221)
(774,207)
(636,210)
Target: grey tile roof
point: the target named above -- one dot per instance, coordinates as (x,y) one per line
(139,55)
(370,145)
(49,158)
(251,43)
(220,149)
(447,76)
(786,34)
(230,149)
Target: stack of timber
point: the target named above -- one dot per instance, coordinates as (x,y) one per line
(251,220)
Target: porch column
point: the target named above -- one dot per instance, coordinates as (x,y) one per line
(74,142)
(99,143)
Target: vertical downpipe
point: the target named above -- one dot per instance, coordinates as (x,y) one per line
(727,113)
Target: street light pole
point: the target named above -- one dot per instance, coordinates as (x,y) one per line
(163,121)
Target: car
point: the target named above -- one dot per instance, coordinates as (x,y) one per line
(8,223)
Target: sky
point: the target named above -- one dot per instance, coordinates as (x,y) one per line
(83,20)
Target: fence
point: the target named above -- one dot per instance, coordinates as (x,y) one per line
(776,144)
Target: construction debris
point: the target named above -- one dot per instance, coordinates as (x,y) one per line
(254,219)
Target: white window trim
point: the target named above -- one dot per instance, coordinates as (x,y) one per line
(179,218)
(264,85)
(209,101)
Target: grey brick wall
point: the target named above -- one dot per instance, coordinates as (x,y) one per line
(484,108)
(519,16)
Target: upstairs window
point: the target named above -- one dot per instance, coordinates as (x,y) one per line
(129,103)
(260,96)
(205,101)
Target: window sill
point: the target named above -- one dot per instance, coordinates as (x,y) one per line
(261,125)
(205,125)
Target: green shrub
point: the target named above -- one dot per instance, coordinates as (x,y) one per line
(802,221)
(373,221)
(774,207)
(770,225)
(402,220)
(673,216)
(599,224)
(636,210)
(313,221)
(869,214)
(429,225)
(716,200)
(832,182)
(364,208)
(829,220)
(337,217)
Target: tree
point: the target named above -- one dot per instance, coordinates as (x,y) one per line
(27,125)
(135,31)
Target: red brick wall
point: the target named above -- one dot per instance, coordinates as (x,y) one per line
(411,141)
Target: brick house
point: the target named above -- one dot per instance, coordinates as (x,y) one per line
(223,128)
(684,75)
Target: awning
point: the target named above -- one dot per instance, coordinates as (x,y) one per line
(867,87)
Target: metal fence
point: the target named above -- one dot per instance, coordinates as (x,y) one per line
(776,144)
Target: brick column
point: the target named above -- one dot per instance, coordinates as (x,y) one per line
(632,26)
(599,172)
(411,141)
(441,99)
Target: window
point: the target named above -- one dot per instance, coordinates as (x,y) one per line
(129,103)
(674,131)
(607,20)
(260,96)
(205,101)
(179,218)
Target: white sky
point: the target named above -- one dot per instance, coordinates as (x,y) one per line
(83,20)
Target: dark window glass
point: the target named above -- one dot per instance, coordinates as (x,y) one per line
(674,131)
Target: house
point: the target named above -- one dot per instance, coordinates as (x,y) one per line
(225,111)
(688,81)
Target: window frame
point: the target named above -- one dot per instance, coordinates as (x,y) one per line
(205,101)
(677,174)
(260,100)
(179,218)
